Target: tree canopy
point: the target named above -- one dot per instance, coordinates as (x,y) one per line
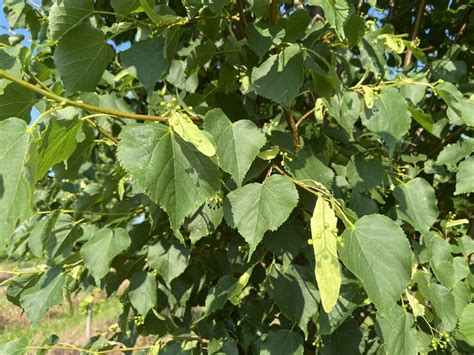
(262,176)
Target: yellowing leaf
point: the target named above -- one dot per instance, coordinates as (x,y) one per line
(188,131)
(328,273)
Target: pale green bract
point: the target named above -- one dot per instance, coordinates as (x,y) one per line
(189,132)
(323,234)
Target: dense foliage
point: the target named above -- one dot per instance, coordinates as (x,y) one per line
(261,176)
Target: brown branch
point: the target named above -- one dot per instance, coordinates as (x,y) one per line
(463,26)
(242,19)
(416,29)
(293,129)
(273,12)
(68,102)
(359,6)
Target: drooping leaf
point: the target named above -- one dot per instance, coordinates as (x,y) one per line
(174,174)
(168,259)
(345,109)
(363,173)
(40,233)
(18,165)
(16,346)
(47,292)
(146,60)
(464,177)
(67,14)
(142,291)
(466,323)
(377,251)
(308,168)
(460,110)
(282,341)
(398,332)
(280,77)
(219,294)
(10,61)
(417,204)
(323,234)
(256,208)
(389,117)
(189,132)
(441,260)
(125,6)
(293,291)
(81,57)
(205,221)
(16,101)
(102,248)
(237,143)
(58,142)
(336,13)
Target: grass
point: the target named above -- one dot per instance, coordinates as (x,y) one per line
(70,327)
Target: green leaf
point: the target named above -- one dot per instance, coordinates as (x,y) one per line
(364,174)
(125,6)
(294,292)
(10,61)
(175,175)
(453,153)
(16,346)
(464,177)
(205,221)
(417,204)
(219,294)
(146,61)
(237,143)
(47,292)
(281,342)
(444,305)
(398,332)
(67,14)
(57,143)
(256,208)
(306,167)
(18,164)
(40,233)
(466,323)
(102,248)
(345,109)
(189,132)
(162,20)
(336,13)
(261,37)
(168,259)
(441,260)
(16,101)
(378,253)
(389,117)
(460,110)
(142,292)
(81,57)
(328,272)
(280,77)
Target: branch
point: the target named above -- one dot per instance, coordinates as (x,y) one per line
(416,29)
(68,102)
(293,129)
(273,13)
(242,19)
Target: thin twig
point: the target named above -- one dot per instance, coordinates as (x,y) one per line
(273,12)
(68,102)
(305,116)
(293,128)
(416,29)
(242,19)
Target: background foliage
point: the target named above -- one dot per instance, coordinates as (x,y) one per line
(265,176)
